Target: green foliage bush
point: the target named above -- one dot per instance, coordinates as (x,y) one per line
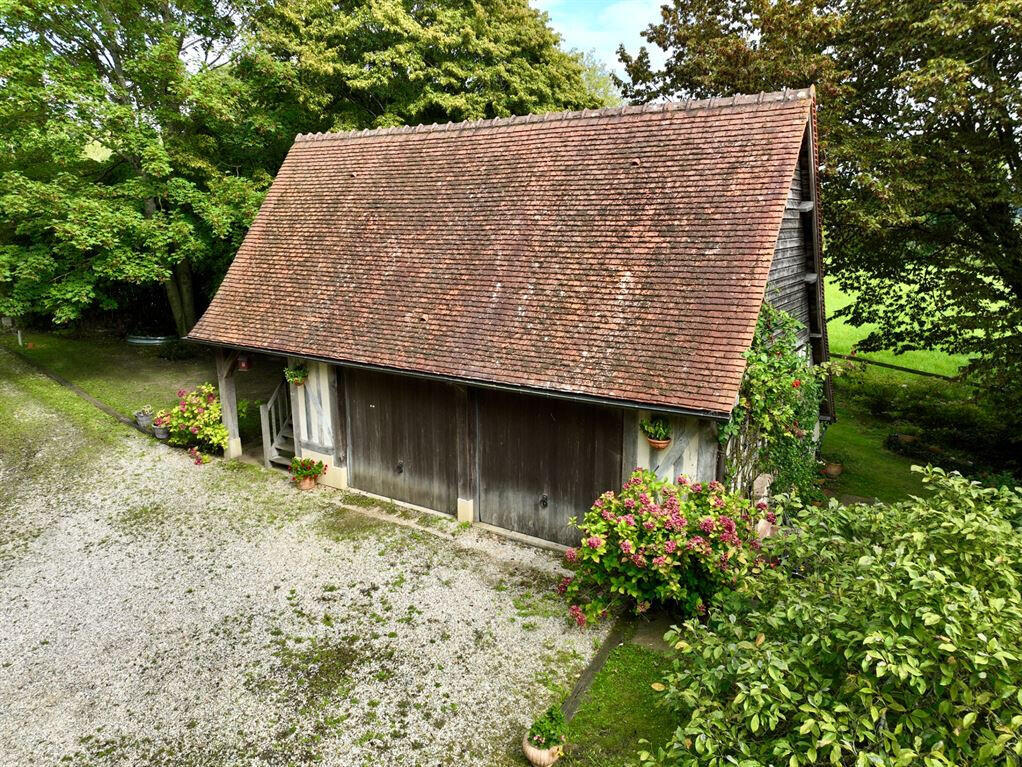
(196,419)
(890,635)
(657,543)
(975,431)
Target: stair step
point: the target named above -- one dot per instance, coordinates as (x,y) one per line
(284,443)
(282,460)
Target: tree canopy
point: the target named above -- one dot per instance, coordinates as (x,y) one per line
(921,132)
(139,137)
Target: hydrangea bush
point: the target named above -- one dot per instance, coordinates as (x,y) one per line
(196,419)
(657,542)
(889,635)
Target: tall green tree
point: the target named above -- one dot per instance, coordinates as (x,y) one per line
(128,144)
(137,137)
(921,130)
(380,63)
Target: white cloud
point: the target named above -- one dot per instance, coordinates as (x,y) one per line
(603,25)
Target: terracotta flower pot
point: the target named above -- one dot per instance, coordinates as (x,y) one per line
(540,757)
(306,483)
(833,470)
(658,444)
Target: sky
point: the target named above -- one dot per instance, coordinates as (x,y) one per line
(602,25)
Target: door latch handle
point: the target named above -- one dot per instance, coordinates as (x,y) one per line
(400,467)
(544,501)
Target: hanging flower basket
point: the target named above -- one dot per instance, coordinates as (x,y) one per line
(657,431)
(296,374)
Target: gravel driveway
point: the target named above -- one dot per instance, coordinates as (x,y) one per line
(157,612)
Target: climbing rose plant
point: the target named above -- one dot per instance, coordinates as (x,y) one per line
(659,543)
(196,419)
(771,428)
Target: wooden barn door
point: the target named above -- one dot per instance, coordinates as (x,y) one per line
(403,438)
(543,461)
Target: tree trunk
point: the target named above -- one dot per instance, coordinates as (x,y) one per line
(176,309)
(183,272)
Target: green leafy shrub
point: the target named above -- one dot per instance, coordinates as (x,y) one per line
(975,431)
(655,542)
(890,635)
(772,427)
(196,419)
(548,730)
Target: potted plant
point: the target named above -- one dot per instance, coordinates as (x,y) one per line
(144,417)
(305,472)
(658,431)
(543,742)
(161,425)
(296,374)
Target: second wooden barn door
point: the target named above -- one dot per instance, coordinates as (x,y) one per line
(403,438)
(543,461)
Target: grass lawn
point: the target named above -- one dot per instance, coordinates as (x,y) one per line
(857,439)
(619,710)
(128,377)
(871,470)
(843,337)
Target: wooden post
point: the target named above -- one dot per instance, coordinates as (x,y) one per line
(226,362)
(466,435)
(336,404)
(264,419)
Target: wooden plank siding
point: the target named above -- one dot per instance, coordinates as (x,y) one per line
(403,438)
(786,285)
(544,460)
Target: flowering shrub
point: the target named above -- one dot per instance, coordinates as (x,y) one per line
(548,730)
(655,542)
(195,420)
(198,457)
(306,467)
(888,636)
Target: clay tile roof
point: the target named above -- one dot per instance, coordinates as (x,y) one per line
(619,254)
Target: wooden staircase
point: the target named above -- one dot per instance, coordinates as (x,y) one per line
(278,429)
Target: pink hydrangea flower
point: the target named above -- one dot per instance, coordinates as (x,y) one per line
(649,524)
(682,480)
(717,502)
(762,505)
(697,487)
(571,555)
(563,585)
(707,525)
(194,429)
(628,519)
(594,542)
(771,517)
(182,392)
(638,560)
(659,561)
(626,547)
(671,546)
(576,612)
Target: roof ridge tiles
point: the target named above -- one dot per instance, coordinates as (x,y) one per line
(716,102)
